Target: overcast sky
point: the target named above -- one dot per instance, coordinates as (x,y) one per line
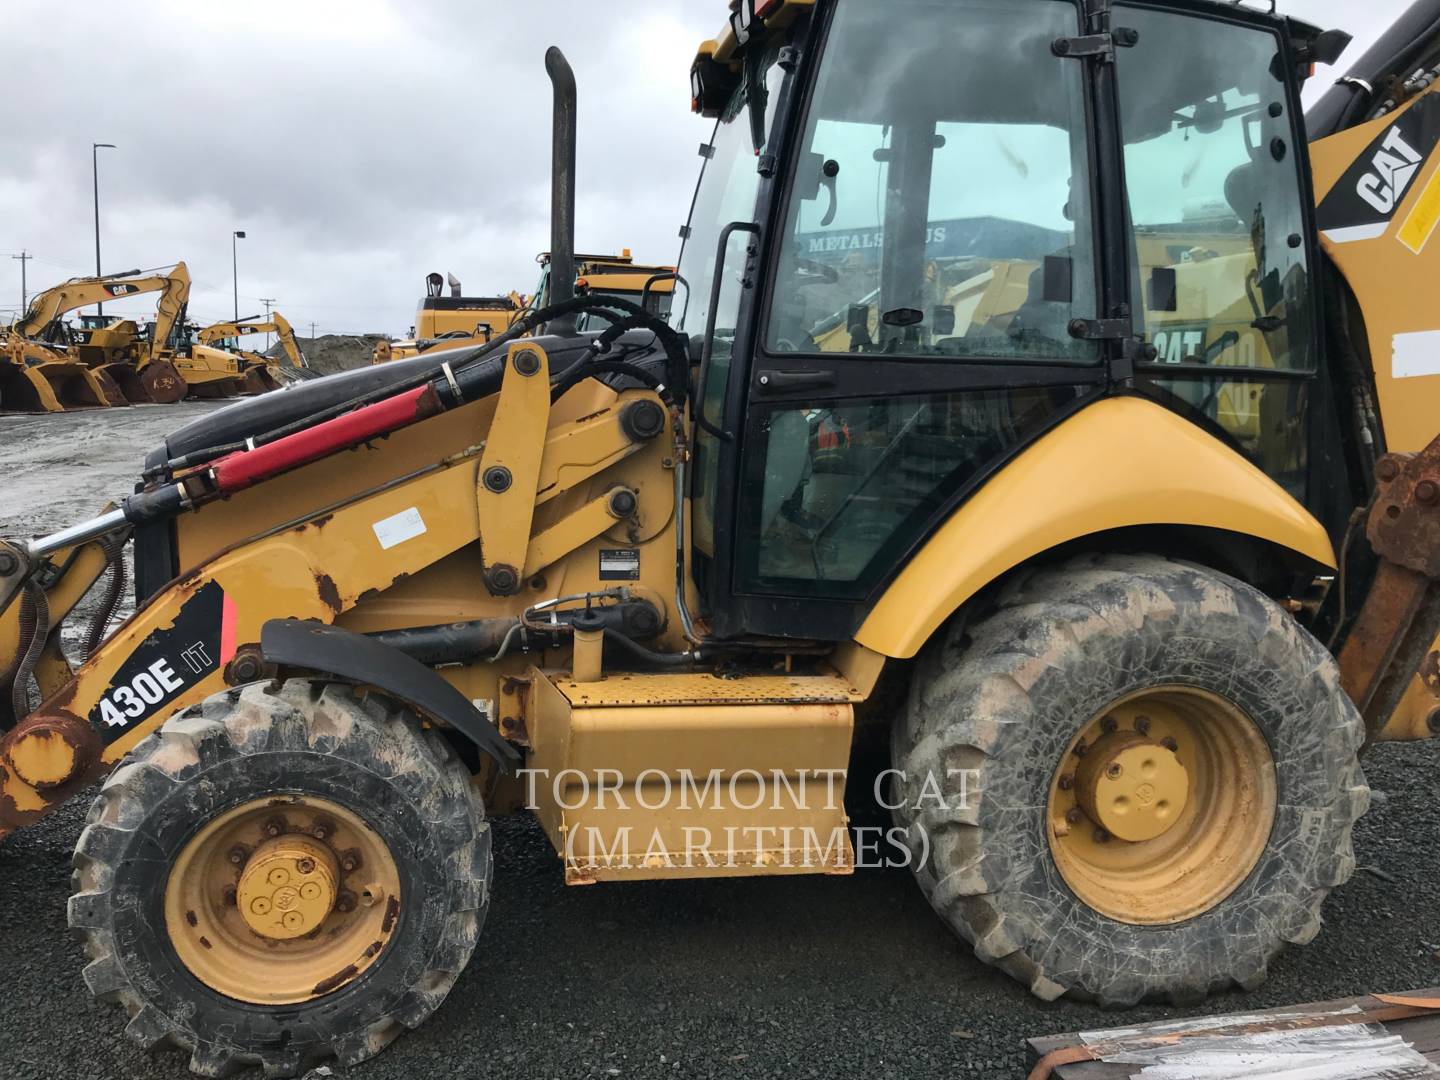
(359,143)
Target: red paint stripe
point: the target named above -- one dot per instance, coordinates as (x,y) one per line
(240,470)
(227,628)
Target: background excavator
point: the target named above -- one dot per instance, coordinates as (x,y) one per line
(39,370)
(260,373)
(129,364)
(1111,514)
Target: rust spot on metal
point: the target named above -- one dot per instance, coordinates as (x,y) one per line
(392,911)
(206,942)
(190,919)
(329,592)
(340,978)
(1430,672)
(322,521)
(373,948)
(427,404)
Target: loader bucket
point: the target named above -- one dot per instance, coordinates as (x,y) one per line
(163,383)
(226,386)
(55,386)
(260,380)
(158,383)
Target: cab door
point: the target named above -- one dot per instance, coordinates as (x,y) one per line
(934,248)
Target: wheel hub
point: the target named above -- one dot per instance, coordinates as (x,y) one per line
(1132,787)
(288,887)
(1161,805)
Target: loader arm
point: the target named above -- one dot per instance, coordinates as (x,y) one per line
(203,631)
(286,334)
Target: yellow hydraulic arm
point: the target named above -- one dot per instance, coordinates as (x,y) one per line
(276,324)
(42,317)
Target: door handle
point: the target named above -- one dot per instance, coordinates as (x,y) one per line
(781,381)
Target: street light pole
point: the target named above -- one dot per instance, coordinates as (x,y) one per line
(238,234)
(95,149)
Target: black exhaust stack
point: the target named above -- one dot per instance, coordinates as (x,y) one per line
(562,188)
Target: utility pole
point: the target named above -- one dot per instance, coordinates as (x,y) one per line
(312,331)
(95,149)
(24,257)
(267,301)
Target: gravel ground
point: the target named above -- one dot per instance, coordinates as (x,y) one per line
(786,977)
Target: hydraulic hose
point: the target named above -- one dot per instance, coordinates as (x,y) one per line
(114,590)
(34,632)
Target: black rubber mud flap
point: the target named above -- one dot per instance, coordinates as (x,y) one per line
(312,646)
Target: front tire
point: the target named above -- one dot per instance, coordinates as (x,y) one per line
(283,874)
(1050,708)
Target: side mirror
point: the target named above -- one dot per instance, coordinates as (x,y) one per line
(744,22)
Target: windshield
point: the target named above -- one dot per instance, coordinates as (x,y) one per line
(940,204)
(726,192)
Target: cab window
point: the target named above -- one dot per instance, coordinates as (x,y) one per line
(1222,277)
(940,201)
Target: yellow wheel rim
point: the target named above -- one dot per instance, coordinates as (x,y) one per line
(1161,806)
(282,900)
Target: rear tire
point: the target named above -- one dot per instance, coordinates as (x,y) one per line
(1010,694)
(285,750)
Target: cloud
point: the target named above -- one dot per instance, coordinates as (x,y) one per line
(359,143)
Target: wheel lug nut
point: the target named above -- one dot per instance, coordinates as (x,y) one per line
(1101,836)
(1114,770)
(1108,724)
(1081,748)
(1067,782)
(229,896)
(305,866)
(348,864)
(1169,744)
(1073,815)
(1142,724)
(345,902)
(237,855)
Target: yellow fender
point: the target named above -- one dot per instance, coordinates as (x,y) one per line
(1121,462)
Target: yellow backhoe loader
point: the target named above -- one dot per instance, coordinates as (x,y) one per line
(1111,512)
(261,374)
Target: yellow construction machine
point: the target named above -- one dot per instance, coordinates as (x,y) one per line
(39,371)
(1110,513)
(260,373)
(452,321)
(122,356)
(455,321)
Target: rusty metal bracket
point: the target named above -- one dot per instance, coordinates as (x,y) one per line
(1400,617)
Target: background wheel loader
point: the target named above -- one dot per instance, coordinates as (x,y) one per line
(454,321)
(1114,458)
